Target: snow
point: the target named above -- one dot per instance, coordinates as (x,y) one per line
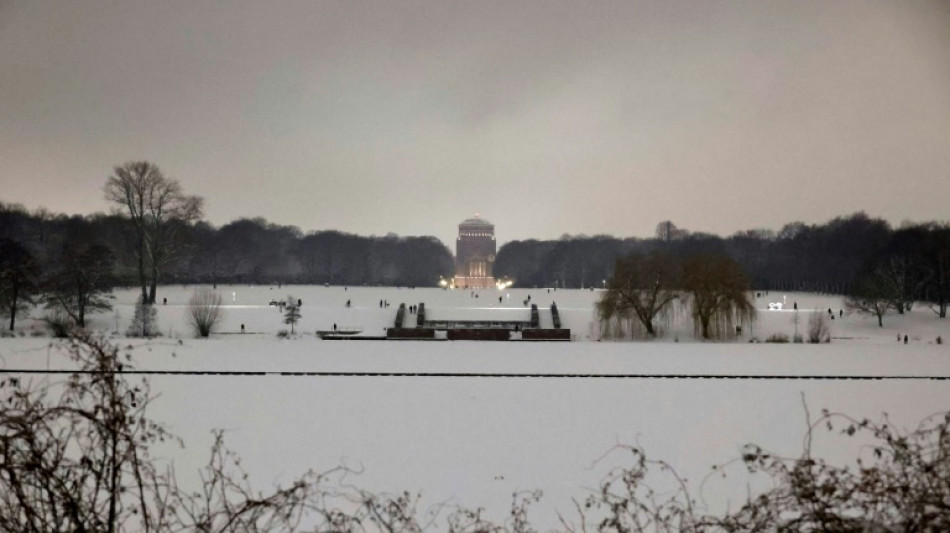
(476,440)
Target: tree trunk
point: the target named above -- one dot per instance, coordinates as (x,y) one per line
(649,325)
(154,285)
(81,300)
(142,278)
(13,301)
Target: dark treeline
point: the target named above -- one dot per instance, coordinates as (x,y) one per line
(835,257)
(243,251)
(832,257)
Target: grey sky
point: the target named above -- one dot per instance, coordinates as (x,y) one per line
(546,117)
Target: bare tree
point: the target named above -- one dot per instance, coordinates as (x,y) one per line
(896,272)
(158,208)
(868,306)
(643,286)
(667,231)
(873,293)
(719,295)
(204,311)
(130,187)
(291,313)
(18,276)
(937,266)
(82,282)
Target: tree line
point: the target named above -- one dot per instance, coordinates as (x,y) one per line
(155,235)
(852,255)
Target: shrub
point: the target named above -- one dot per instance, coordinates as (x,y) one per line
(283,334)
(777,338)
(204,311)
(78,456)
(819,328)
(86,445)
(58,322)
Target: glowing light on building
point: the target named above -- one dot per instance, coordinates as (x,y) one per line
(475,254)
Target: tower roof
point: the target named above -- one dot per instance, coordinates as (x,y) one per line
(475,221)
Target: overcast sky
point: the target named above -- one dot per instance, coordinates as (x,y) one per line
(545,117)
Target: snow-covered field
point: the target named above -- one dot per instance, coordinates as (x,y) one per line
(476,440)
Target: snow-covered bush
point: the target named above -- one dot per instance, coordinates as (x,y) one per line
(204,311)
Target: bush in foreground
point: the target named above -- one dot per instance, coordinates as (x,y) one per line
(76,456)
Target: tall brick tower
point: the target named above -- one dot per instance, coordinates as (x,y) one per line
(475,254)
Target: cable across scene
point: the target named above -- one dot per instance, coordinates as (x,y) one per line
(489,375)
